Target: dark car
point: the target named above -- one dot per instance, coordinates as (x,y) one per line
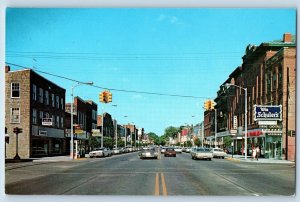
(170,152)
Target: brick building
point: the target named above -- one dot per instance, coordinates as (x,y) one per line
(85,119)
(268,73)
(108,125)
(36,105)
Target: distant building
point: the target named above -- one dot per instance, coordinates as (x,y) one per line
(36,105)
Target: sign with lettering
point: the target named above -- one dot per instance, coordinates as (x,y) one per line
(267,112)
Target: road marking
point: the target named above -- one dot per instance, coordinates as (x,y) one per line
(156,185)
(164,188)
(163,185)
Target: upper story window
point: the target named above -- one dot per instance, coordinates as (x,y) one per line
(62,122)
(15,90)
(34,116)
(62,103)
(52,100)
(15,115)
(41,95)
(46,97)
(34,92)
(57,102)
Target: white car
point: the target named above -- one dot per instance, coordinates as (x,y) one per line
(218,153)
(100,152)
(115,151)
(178,149)
(202,153)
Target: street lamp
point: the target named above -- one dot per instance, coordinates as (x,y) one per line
(125,132)
(245,89)
(72,101)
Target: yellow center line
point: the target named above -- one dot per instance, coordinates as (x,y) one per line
(164,188)
(156,185)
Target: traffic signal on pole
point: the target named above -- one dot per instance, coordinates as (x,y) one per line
(18,130)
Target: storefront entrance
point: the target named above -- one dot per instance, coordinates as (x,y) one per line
(273,146)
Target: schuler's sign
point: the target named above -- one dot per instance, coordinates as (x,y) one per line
(267,112)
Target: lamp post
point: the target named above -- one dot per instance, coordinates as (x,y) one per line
(72,101)
(245,89)
(125,133)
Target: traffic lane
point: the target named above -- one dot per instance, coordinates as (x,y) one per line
(263,180)
(101,176)
(198,177)
(222,177)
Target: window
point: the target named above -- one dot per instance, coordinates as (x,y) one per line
(62,122)
(57,121)
(34,114)
(62,103)
(34,92)
(52,100)
(41,95)
(15,115)
(57,101)
(41,116)
(53,120)
(46,97)
(15,90)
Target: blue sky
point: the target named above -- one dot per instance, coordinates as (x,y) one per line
(169,51)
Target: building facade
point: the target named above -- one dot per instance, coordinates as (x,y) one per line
(36,105)
(268,74)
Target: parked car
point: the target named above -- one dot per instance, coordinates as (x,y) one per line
(149,153)
(202,153)
(100,152)
(188,150)
(170,152)
(115,151)
(218,153)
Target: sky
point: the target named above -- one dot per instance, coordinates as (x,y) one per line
(187,52)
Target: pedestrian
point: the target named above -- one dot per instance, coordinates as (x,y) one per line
(257,152)
(254,153)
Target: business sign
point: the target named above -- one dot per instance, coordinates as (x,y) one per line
(235,122)
(47,121)
(96,133)
(267,123)
(267,112)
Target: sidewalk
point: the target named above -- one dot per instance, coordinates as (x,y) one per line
(240,158)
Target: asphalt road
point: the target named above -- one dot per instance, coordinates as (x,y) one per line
(129,175)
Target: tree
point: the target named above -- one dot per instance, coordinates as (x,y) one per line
(197,142)
(227,141)
(172,131)
(153,138)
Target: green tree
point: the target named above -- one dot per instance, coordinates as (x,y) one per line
(108,142)
(197,142)
(189,143)
(227,141)
(153,138)
(172,131)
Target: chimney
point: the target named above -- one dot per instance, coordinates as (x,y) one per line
(7,68)
(287,38)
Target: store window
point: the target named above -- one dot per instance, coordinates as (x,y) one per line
(15,90)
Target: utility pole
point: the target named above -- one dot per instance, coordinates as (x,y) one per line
(287,114)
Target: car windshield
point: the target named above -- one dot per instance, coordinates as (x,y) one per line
(203,150)
(170,149)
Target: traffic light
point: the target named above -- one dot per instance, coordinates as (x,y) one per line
(105,96)
(206,105)
(101,97)
(212,105)
(18,130)
(109,97)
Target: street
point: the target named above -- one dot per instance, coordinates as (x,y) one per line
(128,175)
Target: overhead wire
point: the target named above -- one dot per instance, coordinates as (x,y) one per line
(112,89)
